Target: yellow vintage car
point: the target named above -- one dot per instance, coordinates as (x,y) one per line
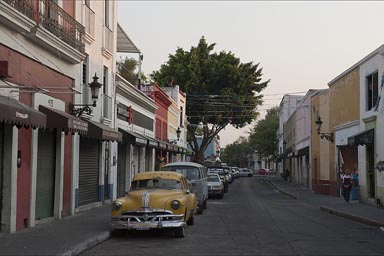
(156,200)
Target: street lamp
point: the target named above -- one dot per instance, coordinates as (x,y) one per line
(323,135)
(78,109)
(178,132)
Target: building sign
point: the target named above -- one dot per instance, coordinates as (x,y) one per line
(125,113)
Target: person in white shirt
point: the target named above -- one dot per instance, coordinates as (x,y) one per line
(346,184)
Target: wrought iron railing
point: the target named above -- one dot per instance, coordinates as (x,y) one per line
(53,18)
(23,6)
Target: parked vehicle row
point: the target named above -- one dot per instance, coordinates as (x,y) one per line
(170,198)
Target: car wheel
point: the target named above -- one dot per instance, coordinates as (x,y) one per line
(180,232)
(205,204)
(225,187)
(116,232)
(200,209)
(191,221)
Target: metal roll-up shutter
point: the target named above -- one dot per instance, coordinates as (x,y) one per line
(45,179)
(89,171)
(1,168)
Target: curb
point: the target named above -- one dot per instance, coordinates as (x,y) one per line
(352,217)
(282,191)
(87,244)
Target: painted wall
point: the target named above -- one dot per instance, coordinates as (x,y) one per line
(372,119)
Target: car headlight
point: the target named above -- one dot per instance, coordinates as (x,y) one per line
(175,204)
(116,205)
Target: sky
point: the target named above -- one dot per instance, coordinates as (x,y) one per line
(300,45)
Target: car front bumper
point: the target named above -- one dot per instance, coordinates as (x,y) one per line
(214,192)
(148,220)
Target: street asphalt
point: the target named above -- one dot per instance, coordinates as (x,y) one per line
(75,234)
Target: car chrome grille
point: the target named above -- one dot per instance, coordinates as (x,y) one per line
(150,215)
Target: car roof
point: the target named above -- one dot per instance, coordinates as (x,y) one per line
(193,164)
(160,174)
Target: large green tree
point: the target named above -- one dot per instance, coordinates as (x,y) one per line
(220,90)
(236,154)
(263,135)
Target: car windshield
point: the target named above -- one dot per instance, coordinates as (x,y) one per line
(213,178)
(155,183)
(192,173)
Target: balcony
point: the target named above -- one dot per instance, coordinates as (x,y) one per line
(44,22)
(17,15)
(54,23)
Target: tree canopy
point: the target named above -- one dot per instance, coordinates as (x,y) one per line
(220,90)
(263,136)
(236,154)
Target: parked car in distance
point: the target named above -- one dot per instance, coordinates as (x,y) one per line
(235,172)
(215,186)
(262,172)
(156,200)
(244,172)
(223,173)
(197,175)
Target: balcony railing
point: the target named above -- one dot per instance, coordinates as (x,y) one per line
(24,6)
(53,18)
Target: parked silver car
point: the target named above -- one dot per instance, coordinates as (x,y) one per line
(244,172)
(197,175)
(215,186)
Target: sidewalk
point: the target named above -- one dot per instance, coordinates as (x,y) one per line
(75,234)
(69,236)
(355,211)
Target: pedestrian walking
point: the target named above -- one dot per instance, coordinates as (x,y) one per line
(346,184)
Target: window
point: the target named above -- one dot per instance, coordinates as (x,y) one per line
(106,13)
(84,80)
(181,117)
(372,82)
(105,80)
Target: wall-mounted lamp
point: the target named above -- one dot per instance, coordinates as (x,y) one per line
(323,135)
(78,109)
(178,132)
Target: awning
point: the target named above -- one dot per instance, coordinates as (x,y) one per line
(16,113)
(103,132)
(152,143)
(162,145)
(63,120)
(135,138)
(124,43)
(172,147)
(362,138)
